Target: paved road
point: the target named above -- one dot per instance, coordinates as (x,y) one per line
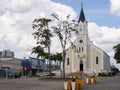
(29,84)
(105,83)
(109,83)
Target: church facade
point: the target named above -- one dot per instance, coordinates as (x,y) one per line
(85,56)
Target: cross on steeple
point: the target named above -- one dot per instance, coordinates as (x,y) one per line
(82,16)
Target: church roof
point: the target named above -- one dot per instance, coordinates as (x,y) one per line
(82,16)
(101,50)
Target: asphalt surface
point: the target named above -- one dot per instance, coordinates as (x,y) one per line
(103,83)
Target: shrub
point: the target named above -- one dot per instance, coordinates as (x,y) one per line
(115,70)
(52,74)
(102,74)
(73,78)
(106,74)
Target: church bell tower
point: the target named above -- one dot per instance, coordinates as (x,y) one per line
(82,39)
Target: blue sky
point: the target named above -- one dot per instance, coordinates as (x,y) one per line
(95,11)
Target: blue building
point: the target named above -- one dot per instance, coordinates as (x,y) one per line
(25,67)
(37,65)
(26,64)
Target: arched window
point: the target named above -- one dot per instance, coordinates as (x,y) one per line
(68,62)
(81,66)
(97,60)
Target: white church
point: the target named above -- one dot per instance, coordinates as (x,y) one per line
(86,56)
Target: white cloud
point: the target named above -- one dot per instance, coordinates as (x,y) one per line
(16,18)
(115,6)
(16,6)
(105,38)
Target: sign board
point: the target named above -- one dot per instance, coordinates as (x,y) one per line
(25,63)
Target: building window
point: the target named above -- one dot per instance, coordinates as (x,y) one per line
(68,62)
(97,61)
(82,49)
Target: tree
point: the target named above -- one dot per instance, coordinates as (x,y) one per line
(63,30)
(39,51)
(43,36)
(117,52)
(56,57)
(59,56)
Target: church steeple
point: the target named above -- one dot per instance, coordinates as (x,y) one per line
(82,16)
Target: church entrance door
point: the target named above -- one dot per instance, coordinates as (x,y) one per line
(81,66)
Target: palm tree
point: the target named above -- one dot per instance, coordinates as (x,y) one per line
(39,51)
(117,53)
(43,36)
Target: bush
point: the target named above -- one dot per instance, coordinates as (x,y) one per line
(115,70)
(102,74)
(52,74)
(111,74)
(106,74)
(73,78)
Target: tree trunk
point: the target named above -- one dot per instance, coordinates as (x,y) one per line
(49,62)
(64,56)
